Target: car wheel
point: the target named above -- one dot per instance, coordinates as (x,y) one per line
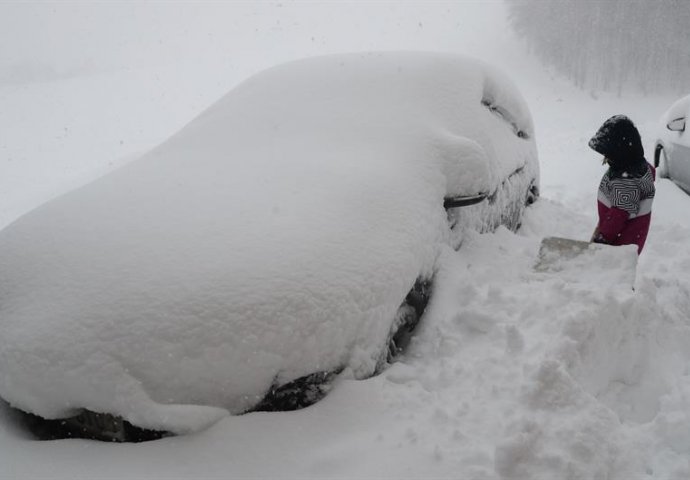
(532,194)
(297,394)
(406,320)
(660,161)
(89,425)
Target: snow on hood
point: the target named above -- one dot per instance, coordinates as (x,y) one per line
(272,237)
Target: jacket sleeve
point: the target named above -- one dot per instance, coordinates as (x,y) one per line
(611,223)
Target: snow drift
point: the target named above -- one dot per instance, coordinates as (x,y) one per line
(274,236)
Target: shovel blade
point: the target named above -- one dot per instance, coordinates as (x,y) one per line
(585,262)
(554,250)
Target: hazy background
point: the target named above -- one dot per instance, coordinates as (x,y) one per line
(612,45)
(87,86)
(48,40)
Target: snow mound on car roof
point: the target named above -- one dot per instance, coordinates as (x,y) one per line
(274,236)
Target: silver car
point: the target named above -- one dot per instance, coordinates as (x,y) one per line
(672,147)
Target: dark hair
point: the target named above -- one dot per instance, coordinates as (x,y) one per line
(619,141)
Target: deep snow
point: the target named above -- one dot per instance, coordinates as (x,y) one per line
(514,374)
(273,237)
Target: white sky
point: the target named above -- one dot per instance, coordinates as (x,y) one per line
(74,37)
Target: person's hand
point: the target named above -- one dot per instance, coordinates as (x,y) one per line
(595,234)
(599,238)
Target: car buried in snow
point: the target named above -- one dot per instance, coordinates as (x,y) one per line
(288,233)
(672,147)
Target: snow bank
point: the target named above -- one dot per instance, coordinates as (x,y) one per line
(273,237)
(516,375)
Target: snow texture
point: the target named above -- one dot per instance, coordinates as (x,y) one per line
(516,374)
(273,237)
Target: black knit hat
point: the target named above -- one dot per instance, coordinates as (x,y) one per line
(619,140)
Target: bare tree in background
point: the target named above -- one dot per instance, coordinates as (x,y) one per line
(610,44)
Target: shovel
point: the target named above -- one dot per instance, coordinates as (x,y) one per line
(577,261)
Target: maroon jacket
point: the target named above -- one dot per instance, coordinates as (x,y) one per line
(625,208)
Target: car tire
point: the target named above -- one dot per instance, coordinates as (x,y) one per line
(406,320)
(661,162)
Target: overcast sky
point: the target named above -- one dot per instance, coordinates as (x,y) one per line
(58,38)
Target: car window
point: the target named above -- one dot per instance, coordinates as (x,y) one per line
(508,107)
(506,116)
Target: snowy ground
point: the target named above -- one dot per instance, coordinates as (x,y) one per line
(514,374)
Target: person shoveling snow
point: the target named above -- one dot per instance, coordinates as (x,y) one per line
(624,200)
(627,189)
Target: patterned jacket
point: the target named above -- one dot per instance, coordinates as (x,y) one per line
(625,208)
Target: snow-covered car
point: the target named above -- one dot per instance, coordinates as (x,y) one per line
(286,234)
(672,147)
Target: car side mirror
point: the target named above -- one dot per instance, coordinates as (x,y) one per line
(463,200)
(469,177)
(677,125)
